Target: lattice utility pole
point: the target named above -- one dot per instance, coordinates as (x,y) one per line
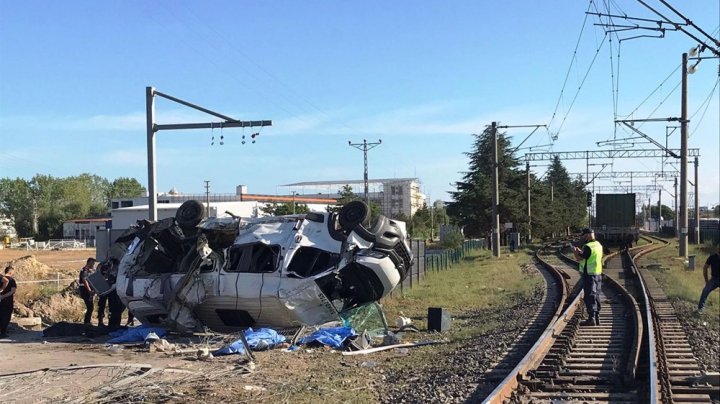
(365,146)
(207,198)
(150,94)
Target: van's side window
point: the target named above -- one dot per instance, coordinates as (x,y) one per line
(309,261)
(253,258)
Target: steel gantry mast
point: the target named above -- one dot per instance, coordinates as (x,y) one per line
(152,128)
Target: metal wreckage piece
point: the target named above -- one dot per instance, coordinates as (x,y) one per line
(229,273)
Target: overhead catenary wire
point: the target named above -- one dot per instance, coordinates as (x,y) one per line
(653,92)
(614,78)
(573,60)
(704,106)
(587,73)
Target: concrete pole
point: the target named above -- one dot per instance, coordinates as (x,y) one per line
(495,222)
(675,207)
(697,204)
(587,181)
(683,235)
(527,173)
(152,172)
(659,207)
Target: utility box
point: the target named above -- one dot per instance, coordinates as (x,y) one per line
(691,263)
(438,319)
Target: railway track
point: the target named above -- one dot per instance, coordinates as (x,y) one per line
(677,378)
(556,293)
(591,363)
(638,353)
(574,362)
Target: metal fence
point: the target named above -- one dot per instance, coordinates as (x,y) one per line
(435,260)
(57,281)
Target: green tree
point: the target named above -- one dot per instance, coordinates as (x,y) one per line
(285,208)
(124,187)
(667,213)
(471,206)
(419,224)
(16,198)
(558,202)
(40,206)
(345,195)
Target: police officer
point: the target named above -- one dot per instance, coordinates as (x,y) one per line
(590,257)
(85,291)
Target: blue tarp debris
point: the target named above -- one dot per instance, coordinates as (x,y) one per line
(334,336)
(264,338)
(136,334)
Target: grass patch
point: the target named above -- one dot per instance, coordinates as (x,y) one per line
(676,280)
(477,282)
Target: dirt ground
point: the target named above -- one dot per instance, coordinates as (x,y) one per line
(63,261)
(38,369)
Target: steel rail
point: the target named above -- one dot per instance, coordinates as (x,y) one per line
(654,382)
(538,351)
(510,387)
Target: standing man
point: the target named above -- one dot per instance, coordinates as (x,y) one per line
(590,257)
(713,282)
(86,293)
(7,302)
(104,269)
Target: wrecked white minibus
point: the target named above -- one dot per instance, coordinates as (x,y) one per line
(230,273)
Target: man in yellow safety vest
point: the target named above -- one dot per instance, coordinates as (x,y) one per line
(590,257)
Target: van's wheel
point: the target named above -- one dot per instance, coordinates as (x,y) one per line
(353,214)
(189,214)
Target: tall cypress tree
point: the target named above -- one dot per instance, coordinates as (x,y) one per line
(472,201)
(568,208)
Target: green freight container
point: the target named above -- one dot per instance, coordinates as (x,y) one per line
(614,210)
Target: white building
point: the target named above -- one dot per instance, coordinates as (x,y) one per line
(394,195)
(85,229)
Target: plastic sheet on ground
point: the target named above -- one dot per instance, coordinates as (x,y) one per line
(264,338)
(333,336)
(136,334)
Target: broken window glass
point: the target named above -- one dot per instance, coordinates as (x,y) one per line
(309,261)
(254,258)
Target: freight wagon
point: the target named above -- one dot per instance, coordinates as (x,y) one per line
(615,220)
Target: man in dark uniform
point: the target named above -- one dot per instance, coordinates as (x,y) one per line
(590,257)
(86,293)
(7,302)
(712,283)
(104,269)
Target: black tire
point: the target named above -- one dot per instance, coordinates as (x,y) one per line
(353,214)
(189,214)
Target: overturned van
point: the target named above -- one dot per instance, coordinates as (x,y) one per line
(228,273)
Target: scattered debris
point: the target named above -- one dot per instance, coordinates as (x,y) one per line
(334,337)
(402,322)
(136,334)
(260,340)
(385,348)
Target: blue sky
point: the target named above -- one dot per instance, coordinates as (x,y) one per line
(421,76)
